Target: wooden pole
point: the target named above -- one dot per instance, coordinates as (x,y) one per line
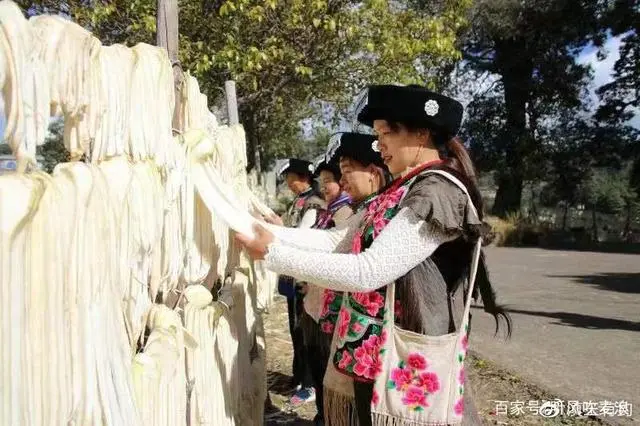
(232,101)
(167,37)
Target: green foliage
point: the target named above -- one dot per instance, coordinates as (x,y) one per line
(621,95)
(286,55)
(317,145)
(53,151)
(531,46)
(4,149)
(608,191)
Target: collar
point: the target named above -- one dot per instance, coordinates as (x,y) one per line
(411,169)
(412,172)
(362,204)
(306,192)
(342,199)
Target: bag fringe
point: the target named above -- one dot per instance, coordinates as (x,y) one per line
(378,419)
(339,409)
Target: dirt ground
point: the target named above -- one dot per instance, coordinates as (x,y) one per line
(490,385)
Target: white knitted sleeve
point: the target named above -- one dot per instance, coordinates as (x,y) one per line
(404,243)
(316,240)
(308,219)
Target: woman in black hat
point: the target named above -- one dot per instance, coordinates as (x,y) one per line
(302,213)
(316,341)
(363,171)
(353,160)
(419,232)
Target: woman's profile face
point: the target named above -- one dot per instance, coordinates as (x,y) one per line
(357,180)
(329,187)
(296,183)
(399,147)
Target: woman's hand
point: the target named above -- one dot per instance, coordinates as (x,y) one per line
(274,220)
(256,247)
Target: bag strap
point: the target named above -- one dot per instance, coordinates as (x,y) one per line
(473,271)
(390,299)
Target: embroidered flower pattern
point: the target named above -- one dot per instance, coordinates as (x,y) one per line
(372,302)
(365,360)
(360,328)
(368,363)
(331,302)
(327,327)
(459,407)
(344,318)
(397,309)
(414,381)
(356,243)
(375,398)
(380,211)
(464,343)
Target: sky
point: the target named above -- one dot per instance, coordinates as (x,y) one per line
(602,70)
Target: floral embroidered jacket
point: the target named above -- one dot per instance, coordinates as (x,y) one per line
(427,299)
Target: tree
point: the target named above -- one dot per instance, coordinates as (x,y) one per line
(622,95)
(285,56)
(530,46)
(53,151)
(608,191)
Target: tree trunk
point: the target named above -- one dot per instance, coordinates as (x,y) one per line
(594,217)
(565,216)
(509,194)
(516,69)
(627,222)
(534,207)
(250,133)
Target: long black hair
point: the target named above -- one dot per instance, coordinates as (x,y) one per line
(458,162)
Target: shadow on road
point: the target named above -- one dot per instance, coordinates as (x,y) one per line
(613,281)
(583,321)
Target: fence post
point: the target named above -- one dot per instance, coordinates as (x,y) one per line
(167,37)
(232,101)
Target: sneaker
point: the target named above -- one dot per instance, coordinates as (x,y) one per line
(303,396)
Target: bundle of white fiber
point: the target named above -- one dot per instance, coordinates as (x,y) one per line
(116,67)
(152,100)
(99,351)
(19,197)
(172,245)
(24,86)
(72,57)
(250,370)
(159,371)
(146,210)
(211,371)
(192,111)
(118,171)
(209,163)
(196,220)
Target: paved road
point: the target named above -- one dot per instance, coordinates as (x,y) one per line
(577,323)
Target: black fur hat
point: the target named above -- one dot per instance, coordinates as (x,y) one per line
(330,166)
(295,165)
(360,147)
(412,105)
